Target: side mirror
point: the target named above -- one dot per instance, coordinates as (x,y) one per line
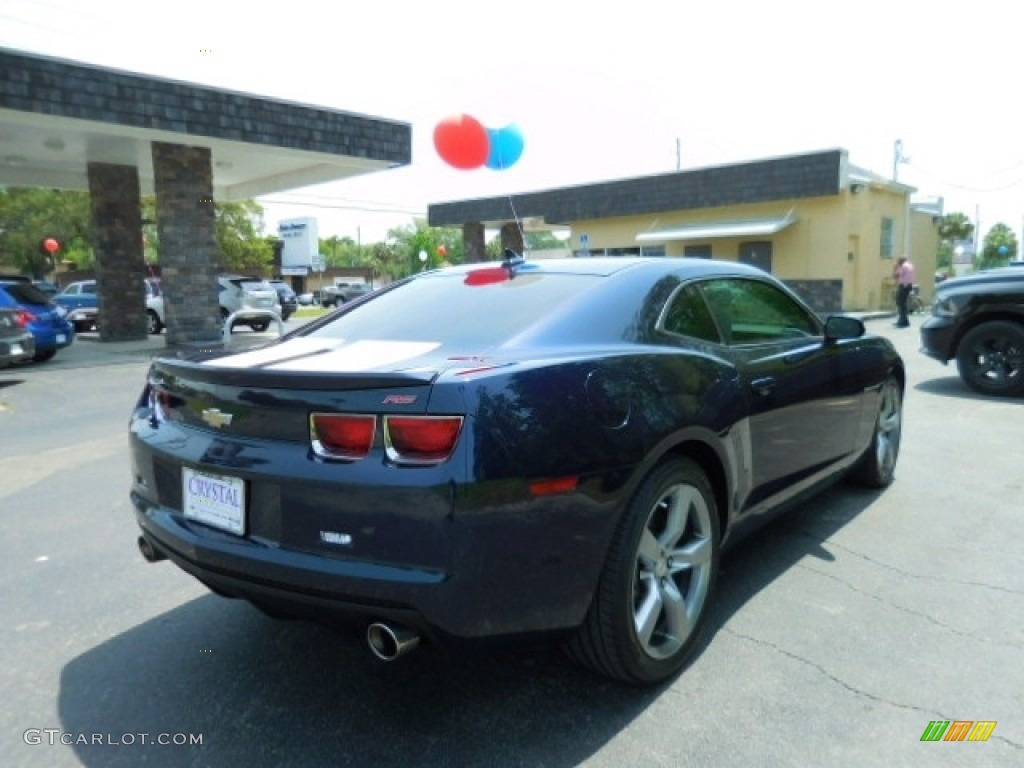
(840,328)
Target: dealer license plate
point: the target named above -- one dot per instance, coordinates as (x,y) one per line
(215,500)
(16,349)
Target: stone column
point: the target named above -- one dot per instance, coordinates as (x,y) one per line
(120,264)
(511,237)
(473,242)
(189,260)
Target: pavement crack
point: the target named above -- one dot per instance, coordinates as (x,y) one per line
(910,574)
(909,611)
(860,692)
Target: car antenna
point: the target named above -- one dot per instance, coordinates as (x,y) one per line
(512,262)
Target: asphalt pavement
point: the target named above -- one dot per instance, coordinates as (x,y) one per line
(838,634)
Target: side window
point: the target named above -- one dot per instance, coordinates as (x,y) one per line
(89,288)
(687,315)
(752,311)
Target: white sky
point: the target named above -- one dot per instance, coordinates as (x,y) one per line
(599,92)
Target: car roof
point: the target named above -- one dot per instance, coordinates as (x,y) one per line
(604,266)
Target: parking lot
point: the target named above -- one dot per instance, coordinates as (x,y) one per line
(838,634)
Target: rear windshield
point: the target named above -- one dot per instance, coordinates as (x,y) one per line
(446,307)
(26,293)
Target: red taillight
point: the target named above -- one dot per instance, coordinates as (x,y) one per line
(341,435)
(420,439)
(23,318)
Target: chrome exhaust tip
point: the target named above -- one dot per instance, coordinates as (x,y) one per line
(388,643)
(149,552)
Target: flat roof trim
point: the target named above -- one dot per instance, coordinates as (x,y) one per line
(711,230)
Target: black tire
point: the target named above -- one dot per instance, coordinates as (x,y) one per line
(649,607)
(990,358)
(153,324)
(259,326)
(43,355)
(877,467)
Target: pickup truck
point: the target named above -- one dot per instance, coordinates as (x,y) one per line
(978,320)
(339,293)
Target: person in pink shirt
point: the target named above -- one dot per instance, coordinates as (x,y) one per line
(903,273)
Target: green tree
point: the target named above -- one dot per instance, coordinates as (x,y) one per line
(955,227)
(441,245)
(543,240)
(240,239)
(1000,247)
(340,251)
(30,215)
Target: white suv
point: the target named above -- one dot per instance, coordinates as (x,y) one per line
(154,305)
(243,293)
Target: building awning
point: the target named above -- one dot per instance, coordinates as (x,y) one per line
(711,230)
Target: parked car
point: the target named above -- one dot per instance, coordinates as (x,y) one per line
(46,287)
(307,299)
(513,448)
(43,318)
(17,344)
(248,294)
(286,297)
(339,293)
(81,300)
(978,320)
(155,322)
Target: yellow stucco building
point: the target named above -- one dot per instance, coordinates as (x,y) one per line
(829,229)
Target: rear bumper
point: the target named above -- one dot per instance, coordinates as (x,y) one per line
(50,338)
(528,566)
(17,350)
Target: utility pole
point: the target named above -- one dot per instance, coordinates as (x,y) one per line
(897,158)
(679,156)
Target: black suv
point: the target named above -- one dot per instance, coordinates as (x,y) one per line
(289,300)
(979,320)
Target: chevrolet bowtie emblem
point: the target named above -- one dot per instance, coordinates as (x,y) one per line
(215,417)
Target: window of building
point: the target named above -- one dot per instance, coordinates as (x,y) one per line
(697,251)
(885,247)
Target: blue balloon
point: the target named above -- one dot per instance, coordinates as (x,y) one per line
(506,147)
(1003,250)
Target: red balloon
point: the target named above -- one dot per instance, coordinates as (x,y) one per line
(50,244)
(462,142)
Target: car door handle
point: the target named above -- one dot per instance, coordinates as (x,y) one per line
(764,385)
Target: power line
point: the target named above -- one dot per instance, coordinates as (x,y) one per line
(339,206)
(970,187)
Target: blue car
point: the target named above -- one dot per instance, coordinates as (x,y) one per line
(509,449)
(42,317)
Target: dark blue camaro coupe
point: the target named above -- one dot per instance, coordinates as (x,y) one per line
(512,448)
